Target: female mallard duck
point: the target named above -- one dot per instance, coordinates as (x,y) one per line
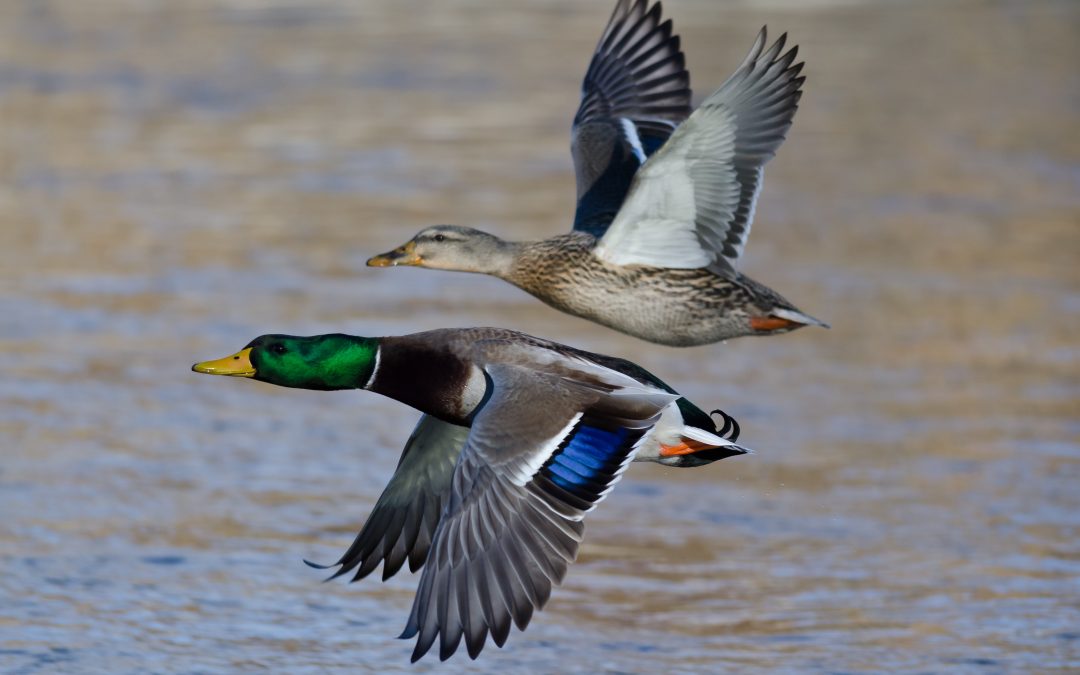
(653,250)
(520,438)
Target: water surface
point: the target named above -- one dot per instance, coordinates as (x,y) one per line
(176,178)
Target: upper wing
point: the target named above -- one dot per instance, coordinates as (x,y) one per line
(542,452)
(403,520)
(692,203)
(635,92)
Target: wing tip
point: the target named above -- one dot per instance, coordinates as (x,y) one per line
(344,569)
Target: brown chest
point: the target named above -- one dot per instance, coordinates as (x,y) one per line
(433,380)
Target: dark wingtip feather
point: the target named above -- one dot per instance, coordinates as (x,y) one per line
(448,647)
(388,570)
(417,654)
(341,572)
(330,578)
(654,12)
(317,566)
(474,652)
(360,573)
(409,632)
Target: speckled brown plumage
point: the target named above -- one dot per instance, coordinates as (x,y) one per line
(676,307)
(665,201)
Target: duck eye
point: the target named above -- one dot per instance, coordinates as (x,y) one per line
(278,349)
(439,237)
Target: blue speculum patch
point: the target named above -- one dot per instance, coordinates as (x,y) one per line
(587,460)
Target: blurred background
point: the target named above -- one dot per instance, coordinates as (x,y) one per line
(177,178)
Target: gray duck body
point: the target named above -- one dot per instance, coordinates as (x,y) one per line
(450,363)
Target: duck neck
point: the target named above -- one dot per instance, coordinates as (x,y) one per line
(430,378)
(499,259)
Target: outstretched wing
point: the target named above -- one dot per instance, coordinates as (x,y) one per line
(541,453)
(404,519)
(692,203)
(635,92)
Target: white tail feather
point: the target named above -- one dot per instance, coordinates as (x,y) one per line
(799,317)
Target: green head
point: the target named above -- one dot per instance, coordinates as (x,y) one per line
(325,362)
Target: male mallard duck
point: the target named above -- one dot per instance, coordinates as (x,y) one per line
(520,438)
(653,250)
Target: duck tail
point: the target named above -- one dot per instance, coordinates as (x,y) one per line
(795,316)
(716,444)
(700,446)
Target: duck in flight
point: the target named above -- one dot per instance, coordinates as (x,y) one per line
(520,439)
(665,196)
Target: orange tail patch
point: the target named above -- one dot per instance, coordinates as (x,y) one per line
(687,446)
(771,323)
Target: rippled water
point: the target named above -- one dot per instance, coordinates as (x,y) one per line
(176,178)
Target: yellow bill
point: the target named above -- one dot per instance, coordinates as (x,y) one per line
(237,365)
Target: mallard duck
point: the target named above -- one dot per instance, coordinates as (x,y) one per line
(520,438)
(665,202)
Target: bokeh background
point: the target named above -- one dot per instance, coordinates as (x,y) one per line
(177,178)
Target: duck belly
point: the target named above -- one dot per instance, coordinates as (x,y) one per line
(678,308)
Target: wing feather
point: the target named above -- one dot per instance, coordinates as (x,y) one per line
(502,543)
(635,92)
(401,525)
(692,203)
